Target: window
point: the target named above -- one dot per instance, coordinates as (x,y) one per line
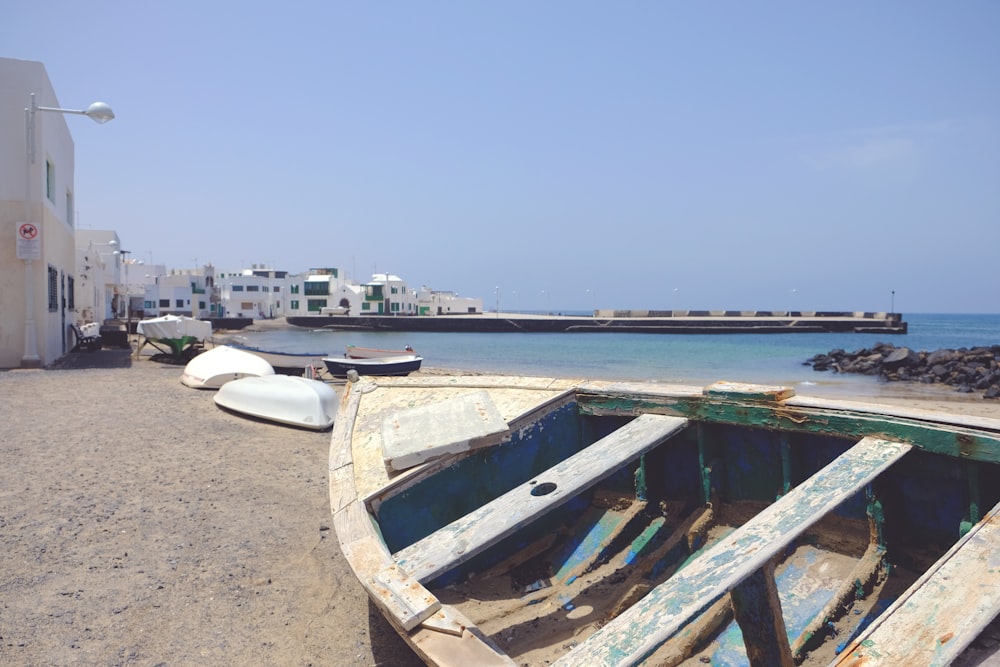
(179,303)
(70,291)
(253,288)
(246,305)
(50,181)
(295,304)
(164,303)
(53,289)
(237,288)
(315,305)
(276,288)
(295,289)
(316,288)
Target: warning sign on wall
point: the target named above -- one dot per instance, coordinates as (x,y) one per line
(29,241)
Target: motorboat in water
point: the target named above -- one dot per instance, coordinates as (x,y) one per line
(216,366)
(285,399)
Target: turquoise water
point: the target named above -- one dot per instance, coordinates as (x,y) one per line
(677,358)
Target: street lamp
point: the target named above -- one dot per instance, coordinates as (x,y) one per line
(99,112)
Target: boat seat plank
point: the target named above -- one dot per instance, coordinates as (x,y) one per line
(470,535)
(413,436)
(638,631)
(943,611)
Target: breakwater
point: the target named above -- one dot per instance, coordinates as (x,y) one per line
(621,321)
(967,369)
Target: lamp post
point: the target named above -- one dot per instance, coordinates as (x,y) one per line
(99,112)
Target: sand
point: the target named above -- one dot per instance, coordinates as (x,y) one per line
(142,525)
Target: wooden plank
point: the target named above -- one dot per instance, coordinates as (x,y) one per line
(411,437)
(757,610)
(399,595)
(638,631)
(470,535)
(943,611)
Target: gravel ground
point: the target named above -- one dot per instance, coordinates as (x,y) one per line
(142,525)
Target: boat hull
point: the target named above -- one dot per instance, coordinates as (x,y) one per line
(382,366)
(286,362)
(621,523)
(215,367)
(355,352)
(284,399)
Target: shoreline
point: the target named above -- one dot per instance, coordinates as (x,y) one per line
(143,525)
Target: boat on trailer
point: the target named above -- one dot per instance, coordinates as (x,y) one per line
(532,521)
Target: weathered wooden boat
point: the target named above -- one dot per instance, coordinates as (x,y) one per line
(355,352)
(285,363)
(285,399)
(530,521)
(381,366)
(215,367)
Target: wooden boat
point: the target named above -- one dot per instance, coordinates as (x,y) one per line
(294,363)
(215,367)
(532,521)
(355,352)
(285,399)
(382,366)
(177,333)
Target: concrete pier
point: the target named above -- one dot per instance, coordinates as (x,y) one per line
(622,321)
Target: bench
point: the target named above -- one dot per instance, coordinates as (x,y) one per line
(943,611)
(739,563)
(84,341)
(472,534)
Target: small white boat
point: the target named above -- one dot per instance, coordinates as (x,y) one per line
(285,399)
(177,332)
(215,367)
(355,352)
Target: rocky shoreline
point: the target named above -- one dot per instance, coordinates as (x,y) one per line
(968,369)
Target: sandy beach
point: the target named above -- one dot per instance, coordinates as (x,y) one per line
(142,525)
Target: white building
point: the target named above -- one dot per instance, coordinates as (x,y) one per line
(37,245)
(99,275)
(181,292)
(387,294)
(257,293)
(437,302)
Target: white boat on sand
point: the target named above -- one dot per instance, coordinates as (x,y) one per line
(285,399)
(215,367)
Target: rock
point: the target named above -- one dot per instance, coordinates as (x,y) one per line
(975,369)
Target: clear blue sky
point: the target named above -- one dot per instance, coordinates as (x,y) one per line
(573,154)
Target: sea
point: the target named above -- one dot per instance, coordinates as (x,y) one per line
(688,359)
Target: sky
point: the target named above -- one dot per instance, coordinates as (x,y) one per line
(553,155)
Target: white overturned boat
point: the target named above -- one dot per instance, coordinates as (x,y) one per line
(215,367)
(285,399)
